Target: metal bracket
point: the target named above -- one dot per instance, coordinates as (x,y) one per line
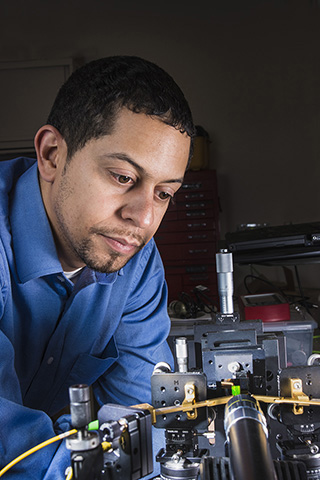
(190,399)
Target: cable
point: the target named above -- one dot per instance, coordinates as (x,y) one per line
(35,449)
(188,307)
(265,281)
(190,304)
(204,302)
(291,299)
(70,474)
(304,299)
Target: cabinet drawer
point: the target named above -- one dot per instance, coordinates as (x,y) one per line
(192,205)
(204,180)
(180,280)
(187,226)
(188,214)
(183,196)
(187,253)
(169,238)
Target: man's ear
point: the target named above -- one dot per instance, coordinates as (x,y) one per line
(51,150)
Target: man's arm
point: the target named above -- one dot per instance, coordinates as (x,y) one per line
(22,428)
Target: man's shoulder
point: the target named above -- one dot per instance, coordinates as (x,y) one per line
(11,170)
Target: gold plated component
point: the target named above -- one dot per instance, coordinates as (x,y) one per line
(190,399)
(297,393)
(223,400)
(189,407)
(150,408)
(298,400)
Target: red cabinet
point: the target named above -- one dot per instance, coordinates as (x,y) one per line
(188,236)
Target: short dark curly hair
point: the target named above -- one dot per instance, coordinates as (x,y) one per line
(87,104)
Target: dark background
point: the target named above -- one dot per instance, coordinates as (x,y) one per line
(250,70)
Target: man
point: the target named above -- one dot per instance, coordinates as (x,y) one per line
(83,297)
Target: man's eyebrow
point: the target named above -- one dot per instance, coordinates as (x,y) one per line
(124,157)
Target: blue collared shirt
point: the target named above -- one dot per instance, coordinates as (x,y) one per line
(107,330)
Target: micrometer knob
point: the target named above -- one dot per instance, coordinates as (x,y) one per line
(80,405)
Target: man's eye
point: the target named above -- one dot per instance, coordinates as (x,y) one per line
(122,178)
(165,195)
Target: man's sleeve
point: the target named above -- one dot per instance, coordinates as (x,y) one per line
(140,338)
(22,428)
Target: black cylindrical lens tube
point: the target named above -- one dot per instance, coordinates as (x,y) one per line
(246,431)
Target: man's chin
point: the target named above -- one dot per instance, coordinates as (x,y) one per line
(103,261)
(110,266)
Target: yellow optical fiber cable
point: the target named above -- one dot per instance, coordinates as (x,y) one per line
(35,449)
(70,474)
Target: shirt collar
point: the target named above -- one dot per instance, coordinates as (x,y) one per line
(107,279)
(89,276)
(33,245)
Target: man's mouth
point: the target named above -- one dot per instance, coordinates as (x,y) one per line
(121,245)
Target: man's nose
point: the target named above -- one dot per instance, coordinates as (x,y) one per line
(139,208)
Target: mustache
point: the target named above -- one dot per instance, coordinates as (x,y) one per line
(107,232)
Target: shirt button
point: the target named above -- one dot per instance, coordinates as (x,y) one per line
(50,360)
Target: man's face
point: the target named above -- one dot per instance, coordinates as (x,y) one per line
(108,201)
